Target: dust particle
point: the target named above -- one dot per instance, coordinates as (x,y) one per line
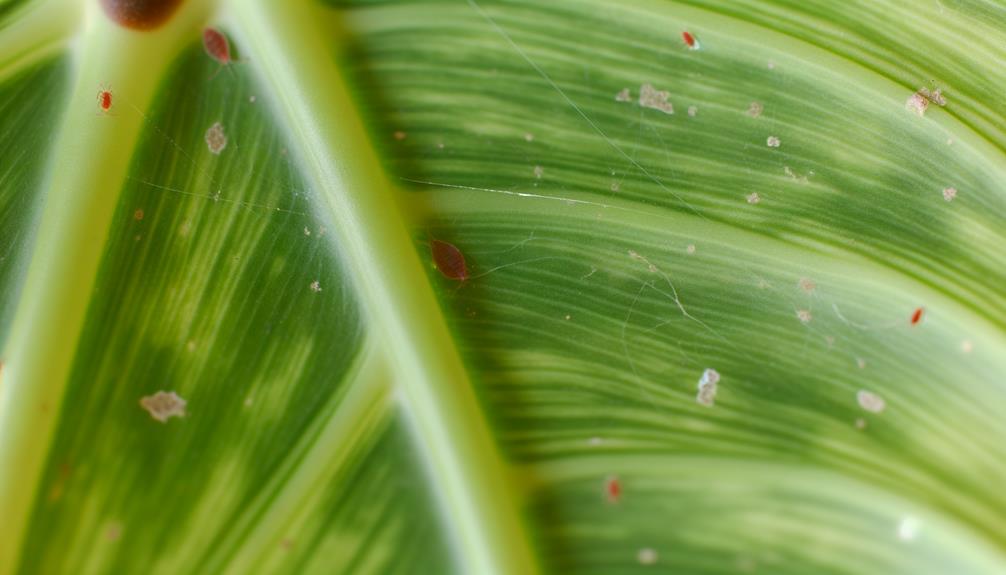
(615,186)
(807,285)
(138,214)
(755,109)
(949,194)
(773,142)
(646,556)
(650,97)
(216,140)
(771,65)
(870,401)
(113,531)
(529,137)
(251,99)
(316,286)
(538,171)
(693,111)
(595,441)
(917,103)
(753,198)
(967,346)
(860,423)
(804,316)
(400,135)
(307,232)
(164,405)
(690,250)
(860,363)
(707,387)
(623,95)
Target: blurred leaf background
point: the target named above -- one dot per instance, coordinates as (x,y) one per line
(350,409)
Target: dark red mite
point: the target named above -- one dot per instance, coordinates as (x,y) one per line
(917,316)
(217,46)
(449,260)
(105,100)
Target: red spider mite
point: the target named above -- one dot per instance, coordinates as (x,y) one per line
(217,46)
(613,488)
(917,316)
(105,99)
(690,40)
(449,260)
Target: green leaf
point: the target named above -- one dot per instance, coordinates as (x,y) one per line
(349,408)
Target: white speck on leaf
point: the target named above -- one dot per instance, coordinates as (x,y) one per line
(164,405)
(649,97)
(908,528)
(646,556)
(755,109)
(949,194)
(216,139)
(804,316)
(693,111)
(707,387)
(870,401)
(623,95)
(773,142)
(807,285)
(753,198)
(917,103)
(316,286)
(538,172)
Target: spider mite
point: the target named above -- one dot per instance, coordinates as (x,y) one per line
(613,489)
(690,40)
(917,315)
(449,260)
(218,47)
(105,100)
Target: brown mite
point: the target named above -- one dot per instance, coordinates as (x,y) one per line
(449,260)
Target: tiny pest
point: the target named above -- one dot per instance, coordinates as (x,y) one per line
(217,46)
(690,40)
(613,489)
(105,100)
(917,315)
(449,260)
